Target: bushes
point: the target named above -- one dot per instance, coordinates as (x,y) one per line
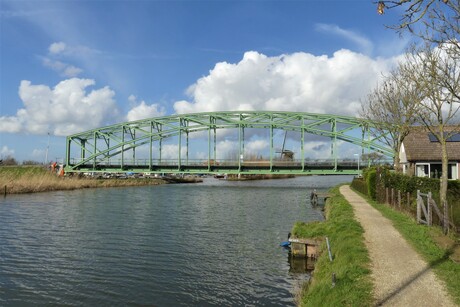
(359,185)
(367,184)
(371,181)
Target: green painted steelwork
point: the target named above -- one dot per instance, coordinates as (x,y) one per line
(103,149)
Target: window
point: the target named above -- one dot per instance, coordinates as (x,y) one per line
(434,170)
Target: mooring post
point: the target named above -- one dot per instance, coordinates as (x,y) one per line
(329,249)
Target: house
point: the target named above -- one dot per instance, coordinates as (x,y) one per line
(420,154)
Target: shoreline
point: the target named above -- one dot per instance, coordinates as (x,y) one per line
(36,179)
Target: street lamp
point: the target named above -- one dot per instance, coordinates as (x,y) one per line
(358,162)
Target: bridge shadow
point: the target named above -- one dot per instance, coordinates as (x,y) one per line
(413,278)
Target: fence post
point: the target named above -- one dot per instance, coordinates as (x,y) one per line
(445,227)
(392,197)
(419,209)
(399,199)
(386,195)
(408,201)
(429,218)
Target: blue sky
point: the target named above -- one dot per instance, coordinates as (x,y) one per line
(69,66)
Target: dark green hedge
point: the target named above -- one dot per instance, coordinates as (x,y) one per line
(359,185)
(371,181)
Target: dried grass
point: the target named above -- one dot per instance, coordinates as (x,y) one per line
(16,180)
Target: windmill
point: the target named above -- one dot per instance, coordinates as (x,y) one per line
(286,154)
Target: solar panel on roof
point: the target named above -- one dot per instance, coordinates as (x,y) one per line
(453,138)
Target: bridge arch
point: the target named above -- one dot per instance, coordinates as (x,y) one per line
(106,148)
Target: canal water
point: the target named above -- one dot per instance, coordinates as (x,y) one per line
(210,244)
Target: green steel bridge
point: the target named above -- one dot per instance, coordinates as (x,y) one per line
(117,148)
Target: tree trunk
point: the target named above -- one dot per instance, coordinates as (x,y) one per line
(397,162)
(443,185)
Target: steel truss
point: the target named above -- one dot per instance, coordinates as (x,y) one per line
(98,146)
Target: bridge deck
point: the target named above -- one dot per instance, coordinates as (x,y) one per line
(293,168)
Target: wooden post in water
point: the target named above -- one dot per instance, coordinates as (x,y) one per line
(304,248)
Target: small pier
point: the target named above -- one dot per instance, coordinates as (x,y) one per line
(305,248)
(316,198)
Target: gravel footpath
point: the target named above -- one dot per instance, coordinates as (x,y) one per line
(401,277)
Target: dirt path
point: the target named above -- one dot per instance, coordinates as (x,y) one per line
(401,277)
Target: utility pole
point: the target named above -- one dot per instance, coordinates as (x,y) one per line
(47,149)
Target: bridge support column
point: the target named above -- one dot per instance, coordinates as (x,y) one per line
(271,143)
(186,157)
(334,143)
(83,150)
(160,141)
(209,145)
(239,146)
(95,149)
(151,146)
(302,141)
(215,144)
(122,162)
(180,146)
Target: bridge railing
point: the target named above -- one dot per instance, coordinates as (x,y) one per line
(204,163)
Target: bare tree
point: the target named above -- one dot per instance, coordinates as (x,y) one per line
(8,160)
(436,76)
(393,105)
(432,20)
(437,22)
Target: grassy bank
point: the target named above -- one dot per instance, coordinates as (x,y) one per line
(429,242)
(31,179)
(350,263)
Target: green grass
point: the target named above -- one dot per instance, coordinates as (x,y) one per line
(421,238)
(350,258)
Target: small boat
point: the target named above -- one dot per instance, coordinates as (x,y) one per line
(285,244)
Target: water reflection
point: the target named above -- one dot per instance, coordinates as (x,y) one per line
(301,265)
(215,243)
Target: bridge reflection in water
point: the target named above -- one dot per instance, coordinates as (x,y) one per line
(117,148)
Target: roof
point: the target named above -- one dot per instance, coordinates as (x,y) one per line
(419,147)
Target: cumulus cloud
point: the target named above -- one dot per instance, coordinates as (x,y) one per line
(295,82)
(143,110)
(65,109)
(256,146)
(6,152)
(10,124)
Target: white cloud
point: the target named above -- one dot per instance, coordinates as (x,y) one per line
(64,69)
(10,124)
(142,110)
(56,48)
(169,152)
(363,43)
(295,82)
(5,151)
(65,109)
(256,147)
(59,50)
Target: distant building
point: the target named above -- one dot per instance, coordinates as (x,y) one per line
(420,154)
